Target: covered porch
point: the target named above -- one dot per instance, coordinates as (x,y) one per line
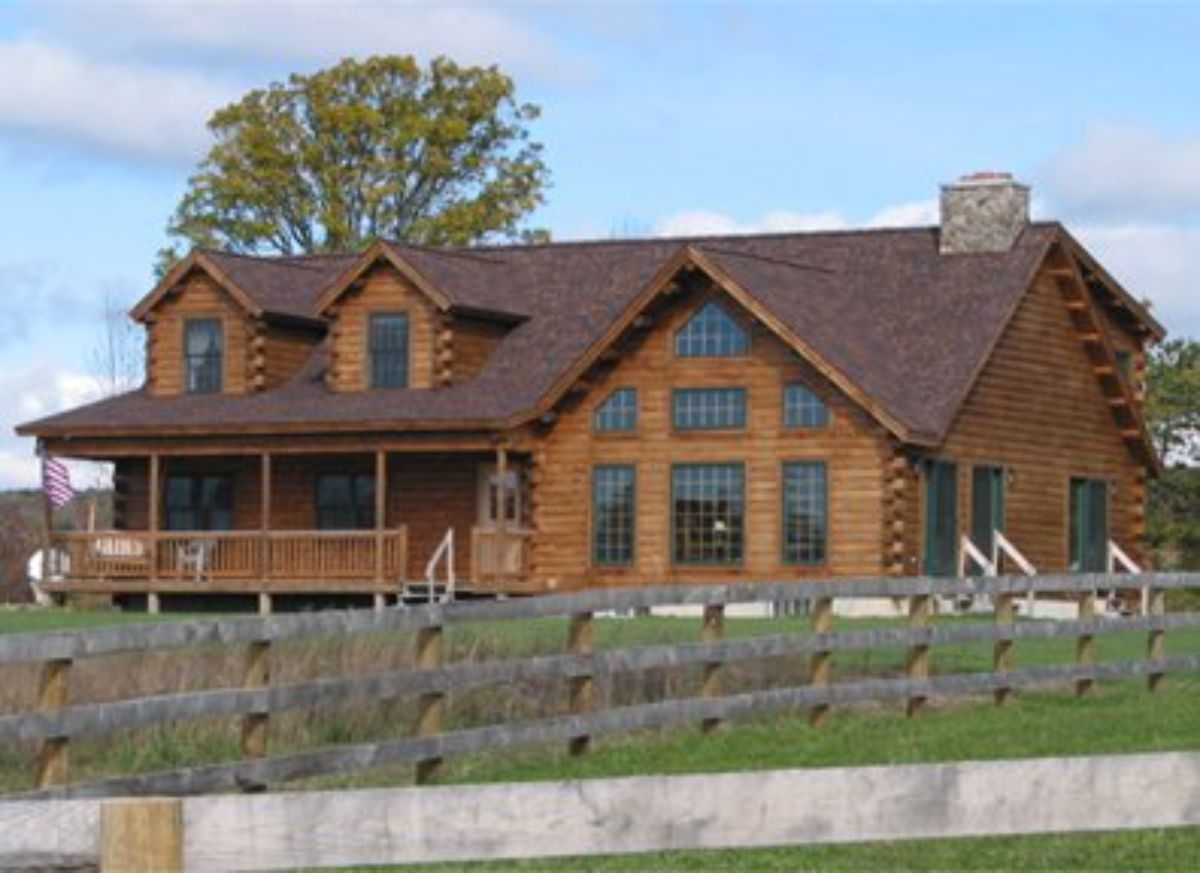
(300,522)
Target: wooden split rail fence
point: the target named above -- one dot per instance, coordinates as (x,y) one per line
(55,721)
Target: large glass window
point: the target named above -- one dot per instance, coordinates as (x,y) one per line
(709,408)
(388,343)
(345,501)
(805,510)
(987,511)
(803,408)
(618,412)
(711,333)
(613,514)
(941,519)
(708,513)
(1089,525)
(203,355)
(199,502)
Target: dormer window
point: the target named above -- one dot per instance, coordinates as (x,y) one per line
(712,333)
(203,353)
(388,344)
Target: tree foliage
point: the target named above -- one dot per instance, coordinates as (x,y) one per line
(438,155)
(1173,400)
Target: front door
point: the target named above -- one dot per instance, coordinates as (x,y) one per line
(496,495)
(941,518)
(987,511)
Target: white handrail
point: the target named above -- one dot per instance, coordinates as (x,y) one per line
(445,550)
(1006,546)
(1115,555)
(973,552)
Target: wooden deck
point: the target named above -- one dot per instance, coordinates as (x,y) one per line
(279,561)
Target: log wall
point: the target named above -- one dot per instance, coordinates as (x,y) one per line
(199,297)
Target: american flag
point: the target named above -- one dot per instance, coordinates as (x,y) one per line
(56,482)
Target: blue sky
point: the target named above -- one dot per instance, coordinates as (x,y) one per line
(657,118)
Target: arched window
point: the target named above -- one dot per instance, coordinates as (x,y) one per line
(711,333)
(803,408)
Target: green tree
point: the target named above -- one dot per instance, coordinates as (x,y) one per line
(1173,415)
(366,149)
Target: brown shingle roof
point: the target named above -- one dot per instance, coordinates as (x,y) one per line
(907,326)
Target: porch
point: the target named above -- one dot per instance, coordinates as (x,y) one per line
(303,523)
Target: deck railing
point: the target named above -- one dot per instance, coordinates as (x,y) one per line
(206,556)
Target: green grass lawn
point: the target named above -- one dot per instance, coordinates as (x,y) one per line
(14,621)
(1120,717)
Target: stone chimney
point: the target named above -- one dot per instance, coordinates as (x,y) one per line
(983,212)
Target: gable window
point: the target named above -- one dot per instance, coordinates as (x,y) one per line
(345,501)
(613,513)
(618,412)
(803,408)
(388,348)
(708,513)
(709,408)
(712,333)
(805,509)
(1089,526)
(199,502)
(203,343)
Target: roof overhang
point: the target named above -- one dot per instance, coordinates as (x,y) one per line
(379,252)
(196,260)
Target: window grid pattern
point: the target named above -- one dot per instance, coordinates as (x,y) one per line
(345,501)
(388,342)
(709,408)
(203,355)
(708,513)
(613,514)
(805,512)
(712,333)
(803,408)
(618,412)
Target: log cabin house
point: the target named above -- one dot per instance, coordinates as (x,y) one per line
(936,400)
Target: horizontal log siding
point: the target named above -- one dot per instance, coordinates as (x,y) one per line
(383,290)
(1038,410)
(198,297)
(473,342)
(852,447)
(285,351)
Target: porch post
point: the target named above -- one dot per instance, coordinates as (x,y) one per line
(154,509)
(499,551)
(47,520)
(380,512)
(265,485)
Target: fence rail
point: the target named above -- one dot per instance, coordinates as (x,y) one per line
(55,721)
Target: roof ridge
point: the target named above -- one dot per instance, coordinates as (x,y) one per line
(279,259)
(438,251)
(769,260)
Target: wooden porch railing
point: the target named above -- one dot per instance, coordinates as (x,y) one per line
(204,556)
(500,560)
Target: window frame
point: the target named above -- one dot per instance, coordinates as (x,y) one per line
(739,560)
(809,395)
(375,354)
(715,340)
(355,481)
(784,543)
(204,515)
(742,417)
(630,516)
(197,363)
(600,426)
(1074,523)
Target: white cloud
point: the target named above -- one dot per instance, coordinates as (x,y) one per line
(59,94)
(1156,261)
(698,222)
(321,32)
(1126,171)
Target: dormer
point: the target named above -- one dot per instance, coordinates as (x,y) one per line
(391,327)
(228,324)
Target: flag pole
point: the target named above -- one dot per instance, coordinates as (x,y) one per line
(47,516)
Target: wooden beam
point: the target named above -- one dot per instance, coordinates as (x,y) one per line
(430,707)
(581,643)
(820,661)
(713,631)
(265,484)
(380,512)
(155,477)
(143,835)
(52,698)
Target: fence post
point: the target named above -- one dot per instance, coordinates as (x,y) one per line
(580,641)
(712,631)
(431,706)
(53,753)
(820,662)
(141,835)
(256,673)
(1085,646)
(1002,651)
(917,662)
(1156,648)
